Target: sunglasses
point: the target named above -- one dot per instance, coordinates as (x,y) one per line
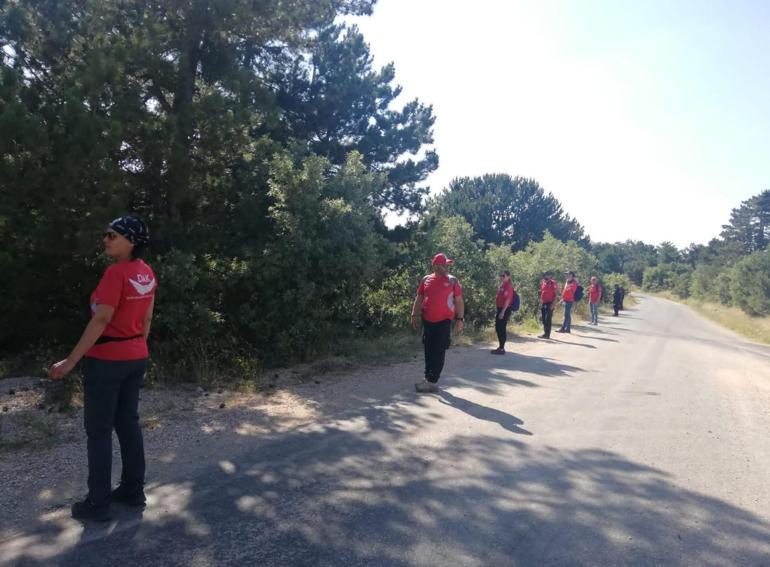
(110,235)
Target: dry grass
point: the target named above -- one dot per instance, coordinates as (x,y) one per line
(754,328)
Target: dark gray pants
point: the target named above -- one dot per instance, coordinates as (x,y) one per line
(111,400)
(547,315)
(435,338)
(501,325)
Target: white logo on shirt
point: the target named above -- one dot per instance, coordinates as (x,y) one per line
(141,286)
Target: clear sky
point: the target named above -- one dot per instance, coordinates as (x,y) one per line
(648,119)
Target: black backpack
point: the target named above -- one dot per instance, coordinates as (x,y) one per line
(579,293)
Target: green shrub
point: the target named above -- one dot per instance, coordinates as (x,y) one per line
(751,283)
(552,255)
(671,277)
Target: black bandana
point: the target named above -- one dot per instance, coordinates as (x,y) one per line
(132,228)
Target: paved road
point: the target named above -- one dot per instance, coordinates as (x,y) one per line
(645,441)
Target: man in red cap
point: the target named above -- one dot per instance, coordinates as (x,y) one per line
(439,301)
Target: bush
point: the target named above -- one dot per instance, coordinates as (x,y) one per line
(712,283)
(671,277)
(751,283)
(723,287)
(552,255)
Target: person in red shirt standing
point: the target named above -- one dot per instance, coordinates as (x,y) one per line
(547,299)
(568,299)
(504,305)
(594,299)
(114,351)
(439,301)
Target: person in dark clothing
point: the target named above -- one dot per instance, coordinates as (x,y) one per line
(439,301)
(622,297)
(548,292)
(617,299)
(504,306)
(114,352)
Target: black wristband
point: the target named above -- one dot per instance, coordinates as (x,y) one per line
(459,319)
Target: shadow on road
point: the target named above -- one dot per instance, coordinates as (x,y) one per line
(595,338)
(366,495)
(484,413)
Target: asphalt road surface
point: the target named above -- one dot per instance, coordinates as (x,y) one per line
(645,441)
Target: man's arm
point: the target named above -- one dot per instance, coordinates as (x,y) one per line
(459,314)
(508,300)
(417,309)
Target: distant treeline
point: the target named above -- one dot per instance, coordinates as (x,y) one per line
(733,269)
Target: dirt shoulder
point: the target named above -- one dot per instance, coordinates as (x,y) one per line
(43,449)
(43,445)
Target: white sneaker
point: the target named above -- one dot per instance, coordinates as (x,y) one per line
(426,387)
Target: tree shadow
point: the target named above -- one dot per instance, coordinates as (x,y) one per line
(338,497)
(594,338)
(484,413)
(563,342)
(512,370)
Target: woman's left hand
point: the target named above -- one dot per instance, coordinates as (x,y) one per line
(459,326)
(60,369)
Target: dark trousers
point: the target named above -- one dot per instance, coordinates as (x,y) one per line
(501,325)
(616,307)
(111,400)
(435,337)
(547,314)
(566,326)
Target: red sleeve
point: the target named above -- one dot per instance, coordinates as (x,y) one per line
(110,288)
(458,289)
(421,289)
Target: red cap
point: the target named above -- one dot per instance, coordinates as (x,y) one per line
(442,260)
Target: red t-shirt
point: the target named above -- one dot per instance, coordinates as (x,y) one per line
(594,293)
(569,291)
(504,293)
(547,291)
(128,287)
(439,303)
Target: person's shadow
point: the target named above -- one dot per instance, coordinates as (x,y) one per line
(124,519)
(478,411)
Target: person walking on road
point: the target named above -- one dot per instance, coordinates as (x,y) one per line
(594,299)
(568,300)
(547,299)
(504,305)
(622,297)
(439,301)
(114,351)
(617,299)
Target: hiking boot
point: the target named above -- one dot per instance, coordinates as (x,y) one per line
(543,337)
(560,331)
(426,387)
(497,351)
(86,510)
(135,499)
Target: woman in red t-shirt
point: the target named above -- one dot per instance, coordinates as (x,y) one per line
(114,351)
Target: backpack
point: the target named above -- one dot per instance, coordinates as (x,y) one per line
(516,304)
(579,293)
